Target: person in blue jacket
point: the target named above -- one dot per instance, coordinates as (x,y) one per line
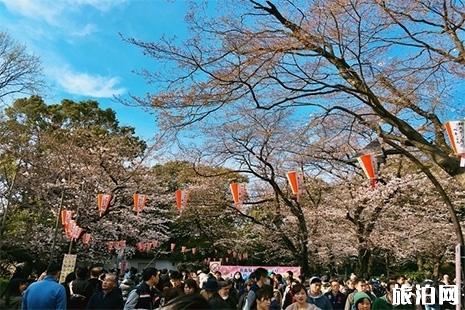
(47,293)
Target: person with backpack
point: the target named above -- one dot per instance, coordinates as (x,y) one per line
(145,295)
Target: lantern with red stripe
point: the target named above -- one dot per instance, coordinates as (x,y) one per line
(294,178)
(86,239)
(140,246)
(66,217)
(181,199)
(69,229)
(119,245)
(456,132)
(103,202)
(239,192)
(139,202)
(68,222)
(369,165)
(76,232)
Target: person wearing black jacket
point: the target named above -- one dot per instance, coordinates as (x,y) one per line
(223,299)
(95,284)
(337,299)
(109,297)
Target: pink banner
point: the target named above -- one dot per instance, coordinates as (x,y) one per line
(229,271)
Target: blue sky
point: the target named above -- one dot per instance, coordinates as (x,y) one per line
(82,54)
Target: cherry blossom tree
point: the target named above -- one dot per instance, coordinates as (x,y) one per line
(64,155)
(367,60)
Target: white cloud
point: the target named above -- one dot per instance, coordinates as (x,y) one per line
(46,10)
(85,31)
(101,5)
(86,84)
(56,12)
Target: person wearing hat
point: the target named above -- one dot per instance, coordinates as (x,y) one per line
(361,301)
(209,288)
(223,299)
(316,297)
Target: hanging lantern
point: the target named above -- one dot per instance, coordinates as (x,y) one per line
(456,132)
(369,165)
(119,245)
(66,216)
(194,250)
(173,246)
(86,239)
(71,228)
(293,178)
(183,249)
(181,199)
(139,202)
(245,256)
(103,202)
(76,232)
(238,191)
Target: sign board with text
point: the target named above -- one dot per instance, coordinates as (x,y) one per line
(69,263)
(229,271)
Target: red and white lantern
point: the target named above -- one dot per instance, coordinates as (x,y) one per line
(369,165)
(139,202)
(86,239)
(181,199)
(103,202)
(456,132)
(120,245)
(239,192)
(294,178)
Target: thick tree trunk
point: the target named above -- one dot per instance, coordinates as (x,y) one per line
(304,252)
(437,264)
(364,256)
(420,263)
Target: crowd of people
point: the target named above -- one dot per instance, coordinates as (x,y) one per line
(96,288)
